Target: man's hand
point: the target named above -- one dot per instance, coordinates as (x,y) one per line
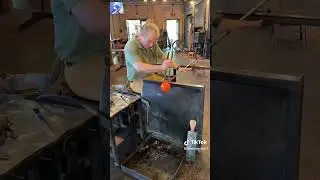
(256,24)
(241,24)
(167,64)
(252,24)
(174,64)
(185,69)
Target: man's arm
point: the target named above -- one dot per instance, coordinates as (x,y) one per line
(237,24)
(147,68)
(133,58)
(247,24)
(92,15)
(163,57)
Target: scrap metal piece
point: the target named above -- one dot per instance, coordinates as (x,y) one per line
(6,131)
(175,174)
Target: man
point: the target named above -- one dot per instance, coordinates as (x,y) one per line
(142,54)
(81,28)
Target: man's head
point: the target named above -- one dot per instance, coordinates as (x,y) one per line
(149,34)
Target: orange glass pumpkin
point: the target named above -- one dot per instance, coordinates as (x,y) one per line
(165,86)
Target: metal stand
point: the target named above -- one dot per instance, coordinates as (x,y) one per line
(104,109)
(113,145)
(36,17)
(171,51)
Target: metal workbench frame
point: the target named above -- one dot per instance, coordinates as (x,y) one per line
(114,154)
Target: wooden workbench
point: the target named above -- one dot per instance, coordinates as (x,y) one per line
(33,135)
(119,102)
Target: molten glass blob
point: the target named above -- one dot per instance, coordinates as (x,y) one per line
(165,86)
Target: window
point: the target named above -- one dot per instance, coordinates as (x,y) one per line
(173,30)
(134,27)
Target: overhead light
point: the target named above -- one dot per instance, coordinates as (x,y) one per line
(145,0)
(154,0)
(164,0)
(192,3)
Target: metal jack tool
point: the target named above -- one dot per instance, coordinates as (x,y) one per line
(173,79)
(168,55)
(165,85)
(176,75)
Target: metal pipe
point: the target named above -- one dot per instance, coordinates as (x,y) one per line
(185,67)
(253,9)
(241,19)
(104,109)
(269,18)
(168,56)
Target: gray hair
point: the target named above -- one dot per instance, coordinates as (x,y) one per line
(150,26)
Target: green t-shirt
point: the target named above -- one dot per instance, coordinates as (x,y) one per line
(71,40)
(134,52)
